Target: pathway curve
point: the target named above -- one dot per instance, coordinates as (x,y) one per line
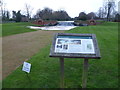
(17,48)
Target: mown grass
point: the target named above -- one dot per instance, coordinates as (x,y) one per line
(45,71)
(0,30)
(15,28)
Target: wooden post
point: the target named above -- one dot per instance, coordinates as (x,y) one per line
(85,73)
(62,72)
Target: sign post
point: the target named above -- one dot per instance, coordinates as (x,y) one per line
(62,72)
(26,68)
(85,73)
(72,45)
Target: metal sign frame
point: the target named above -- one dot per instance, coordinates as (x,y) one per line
(75,55)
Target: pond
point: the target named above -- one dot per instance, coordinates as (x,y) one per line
(62,25)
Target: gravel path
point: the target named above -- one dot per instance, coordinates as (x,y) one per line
(18,48)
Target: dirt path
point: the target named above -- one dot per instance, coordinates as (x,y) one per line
(17,48)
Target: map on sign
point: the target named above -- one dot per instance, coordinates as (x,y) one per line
(26,67)
(74,45)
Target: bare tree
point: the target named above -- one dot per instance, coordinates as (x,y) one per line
(1,8)
(28,10)
(119,7)
(100,13)
(4,13)
(110,8)
(37,16)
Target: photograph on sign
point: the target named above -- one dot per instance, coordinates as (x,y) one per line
(69,45)
(26,67)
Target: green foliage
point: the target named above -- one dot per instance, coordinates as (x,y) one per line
(45,71)
(15,28)
(83,16)
(49,14)
(117,18)
(0,30)
(17,16)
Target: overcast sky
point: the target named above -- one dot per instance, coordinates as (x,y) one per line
(73,7)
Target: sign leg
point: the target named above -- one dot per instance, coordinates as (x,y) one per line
(28,77)
(62,72)
(85,73)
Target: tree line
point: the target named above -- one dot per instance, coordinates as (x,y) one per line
(49,14)
(106,12)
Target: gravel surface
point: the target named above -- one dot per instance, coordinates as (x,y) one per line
(18,48)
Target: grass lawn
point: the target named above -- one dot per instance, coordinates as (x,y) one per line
(15,28)
(0,30)
(45,71)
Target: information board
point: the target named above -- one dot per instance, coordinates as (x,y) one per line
(75,45)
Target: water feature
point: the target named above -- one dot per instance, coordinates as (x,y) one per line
(62,25)
(65,23)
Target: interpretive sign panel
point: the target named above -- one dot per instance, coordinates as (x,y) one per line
(75,45)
